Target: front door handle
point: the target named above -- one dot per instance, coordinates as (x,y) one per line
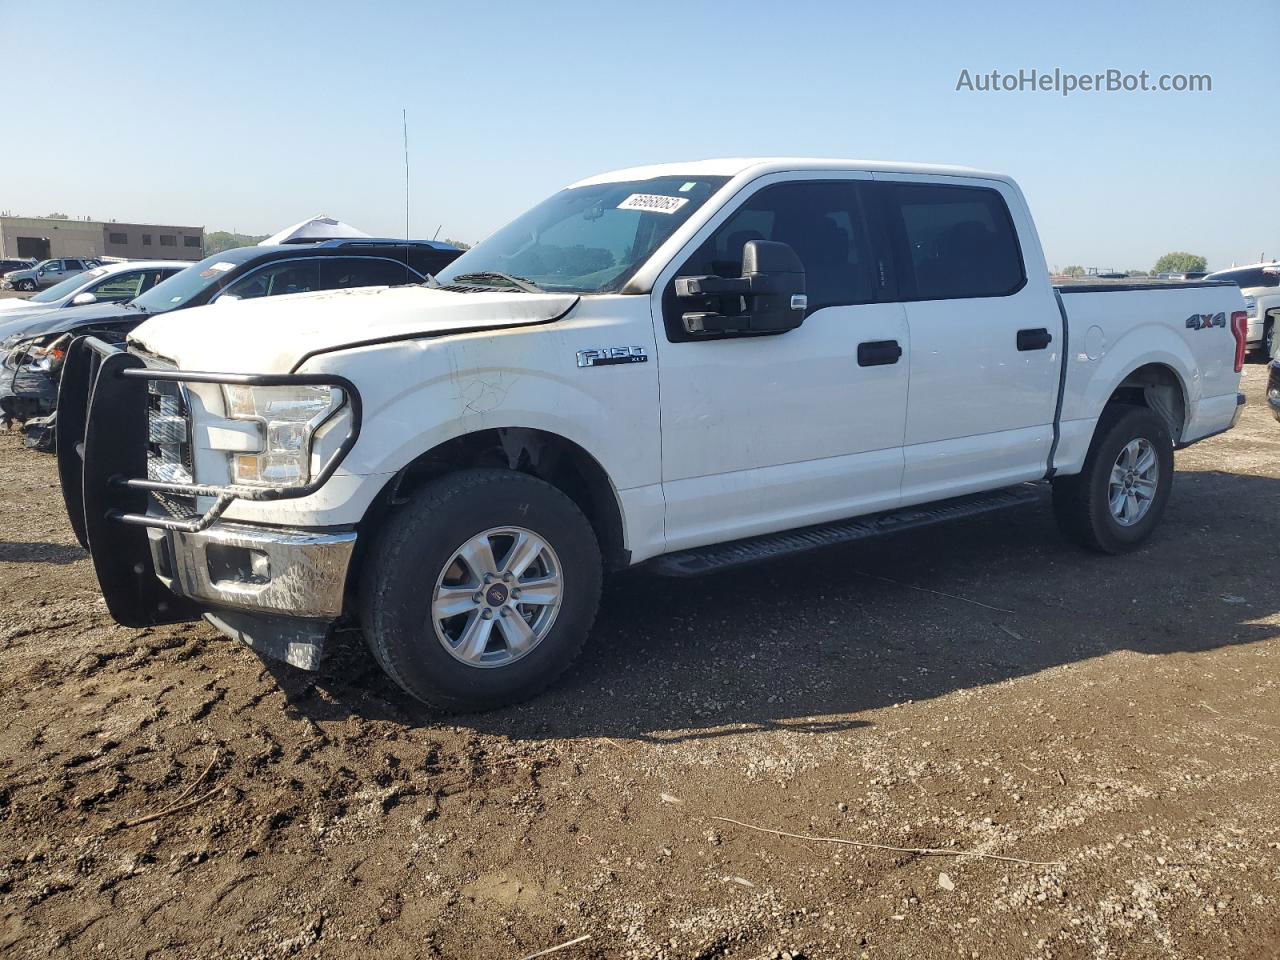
(1036,339)
(878,353)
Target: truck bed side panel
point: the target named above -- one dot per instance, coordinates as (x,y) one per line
(1114,332)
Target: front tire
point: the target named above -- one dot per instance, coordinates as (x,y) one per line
(481,590)
(26,286)
(1118,498)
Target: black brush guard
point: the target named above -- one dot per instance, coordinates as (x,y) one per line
(102,439)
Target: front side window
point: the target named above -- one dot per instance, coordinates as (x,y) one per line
(822,221)
(288,276)
(121,287)
(953,242)
(589,239)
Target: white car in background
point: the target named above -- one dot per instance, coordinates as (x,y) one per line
(112,283)
(1260,284)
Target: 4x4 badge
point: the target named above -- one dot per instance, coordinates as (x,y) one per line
(1203,321)
(608,356)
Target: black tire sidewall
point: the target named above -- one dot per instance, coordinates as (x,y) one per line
(417,542)
(1121,428)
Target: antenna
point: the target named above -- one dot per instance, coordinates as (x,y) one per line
(404,116)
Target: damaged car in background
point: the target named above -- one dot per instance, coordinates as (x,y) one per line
(32,351)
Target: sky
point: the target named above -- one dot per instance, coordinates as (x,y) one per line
(253,115)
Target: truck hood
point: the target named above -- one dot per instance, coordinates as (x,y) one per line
(274,334)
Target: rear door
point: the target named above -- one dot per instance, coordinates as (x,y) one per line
(986,334)
(764,433)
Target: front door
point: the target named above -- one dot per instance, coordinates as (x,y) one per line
(764,433)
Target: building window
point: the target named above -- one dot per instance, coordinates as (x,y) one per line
(168,240)
(191,241)
(146,239)
(118,237)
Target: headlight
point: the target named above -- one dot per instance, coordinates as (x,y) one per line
(39,353)
(286,418)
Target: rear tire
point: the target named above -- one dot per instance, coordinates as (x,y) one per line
(522,614)
(1118,498)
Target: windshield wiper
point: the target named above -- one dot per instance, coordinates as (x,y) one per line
(521,283)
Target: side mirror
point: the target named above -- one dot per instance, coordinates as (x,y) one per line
(80,299)
(770,294)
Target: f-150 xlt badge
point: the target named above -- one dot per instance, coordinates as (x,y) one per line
(608,356)
(1203,321)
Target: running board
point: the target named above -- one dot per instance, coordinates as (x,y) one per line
(725,556)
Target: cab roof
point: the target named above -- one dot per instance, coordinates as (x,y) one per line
(758,166)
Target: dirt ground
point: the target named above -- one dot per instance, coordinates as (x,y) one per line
(982,688)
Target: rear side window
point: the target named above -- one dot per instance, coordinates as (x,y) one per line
(339,273)
(953,242)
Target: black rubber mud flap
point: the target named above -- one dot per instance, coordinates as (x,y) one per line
(115,447)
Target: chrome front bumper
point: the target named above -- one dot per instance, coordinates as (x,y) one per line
(256,569)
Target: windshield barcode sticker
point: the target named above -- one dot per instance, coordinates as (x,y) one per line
(653,203)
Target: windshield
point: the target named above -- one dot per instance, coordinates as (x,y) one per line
(69,285)
(586,239)
(186,285)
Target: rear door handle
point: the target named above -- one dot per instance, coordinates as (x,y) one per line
(878,353)
(1036,339)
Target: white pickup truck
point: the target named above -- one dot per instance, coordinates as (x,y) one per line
(689,366)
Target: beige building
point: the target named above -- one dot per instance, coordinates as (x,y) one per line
(44,237)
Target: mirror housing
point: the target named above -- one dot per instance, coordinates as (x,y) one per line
(771,291)
(80,299)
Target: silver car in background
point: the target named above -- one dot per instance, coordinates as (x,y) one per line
(46,273)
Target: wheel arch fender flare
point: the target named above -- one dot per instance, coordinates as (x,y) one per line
(552,457)
(1154,363)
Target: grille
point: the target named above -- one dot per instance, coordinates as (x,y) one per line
(169,444)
